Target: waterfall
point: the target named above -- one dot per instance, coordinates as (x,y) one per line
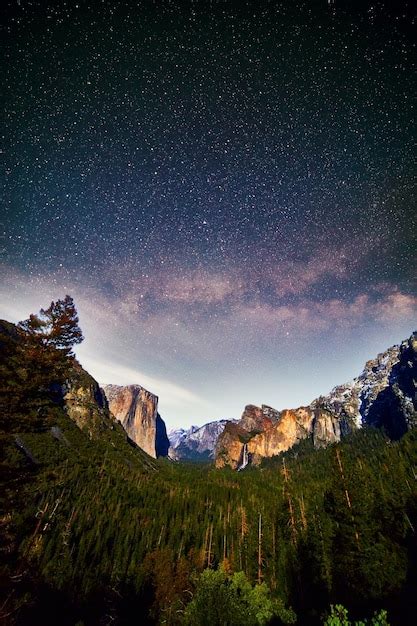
(245,458)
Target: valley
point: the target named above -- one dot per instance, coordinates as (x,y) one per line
(95,528)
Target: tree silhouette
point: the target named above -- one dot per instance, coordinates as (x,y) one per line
(57,326)
(36,359)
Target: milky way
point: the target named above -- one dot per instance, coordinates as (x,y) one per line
(228,190)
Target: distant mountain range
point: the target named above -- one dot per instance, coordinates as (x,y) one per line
(197,443)
(383,396)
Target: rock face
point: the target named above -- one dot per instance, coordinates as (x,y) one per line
(198,443)
(395,407)
(384,395)
(85,402)
(137,410)
(262,432)
(352,401)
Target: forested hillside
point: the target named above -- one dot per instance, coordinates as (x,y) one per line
(94,531)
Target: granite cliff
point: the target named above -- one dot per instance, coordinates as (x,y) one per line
(95,410)
(384,395)
(137,411)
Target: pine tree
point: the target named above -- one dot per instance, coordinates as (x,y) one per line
(36,358)
(57,326)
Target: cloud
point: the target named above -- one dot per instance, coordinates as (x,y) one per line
(332,314)
(189,343)
(171,286)
(185,324)
(114,333)
(395,306)
(140,292)
(115,373)
(200,288)
(298,277)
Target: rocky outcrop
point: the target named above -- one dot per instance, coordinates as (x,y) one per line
(197,443)
(272,433)
(137,411)
(384,395)
(85,402)
(395,407)
(352,401)
(230,446)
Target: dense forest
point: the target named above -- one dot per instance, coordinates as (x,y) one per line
(93,531)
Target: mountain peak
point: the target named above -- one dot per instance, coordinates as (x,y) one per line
(197,443)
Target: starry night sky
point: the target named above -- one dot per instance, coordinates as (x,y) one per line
(227,190)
